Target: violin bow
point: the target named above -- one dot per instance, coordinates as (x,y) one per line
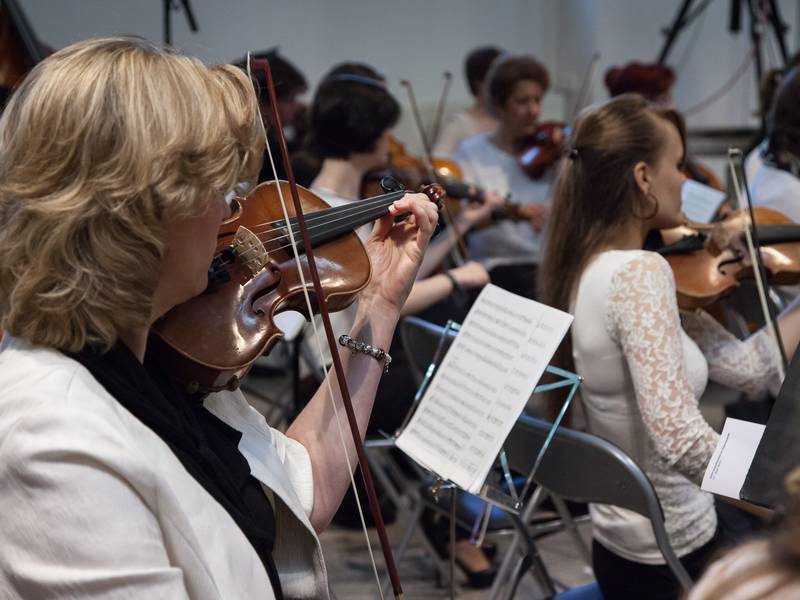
(337,364)
(736,164)
(583,92)
(436,125)
(460,250)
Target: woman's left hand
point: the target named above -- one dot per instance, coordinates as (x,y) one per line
(396,249)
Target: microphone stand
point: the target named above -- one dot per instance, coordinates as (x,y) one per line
(169,6)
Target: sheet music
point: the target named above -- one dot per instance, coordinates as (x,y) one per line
(732,457)
(700,202)
(482,386)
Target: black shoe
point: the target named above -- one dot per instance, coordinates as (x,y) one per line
(437,531)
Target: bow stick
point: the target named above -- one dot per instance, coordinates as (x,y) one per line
(460,251)
(751,236)
(436,125)
(337,364)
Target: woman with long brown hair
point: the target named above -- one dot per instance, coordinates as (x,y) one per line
(643,373)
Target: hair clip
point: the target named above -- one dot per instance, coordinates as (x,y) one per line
(572,153)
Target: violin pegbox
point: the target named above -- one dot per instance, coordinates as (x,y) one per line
(435,193)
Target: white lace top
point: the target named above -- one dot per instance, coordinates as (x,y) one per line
(643,377)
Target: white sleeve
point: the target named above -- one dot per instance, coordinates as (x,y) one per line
(453,133)
(233,409)
(750,365)
(642,317)
(73,525)
(465,162)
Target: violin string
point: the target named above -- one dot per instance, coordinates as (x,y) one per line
(323,362)
(356,205)
(277,233)
(295,230)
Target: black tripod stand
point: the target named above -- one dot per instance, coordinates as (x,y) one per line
(687,13)
(169,6)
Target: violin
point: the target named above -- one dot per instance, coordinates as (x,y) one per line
(543,149)
(412,172)
(706,269)
(254,276)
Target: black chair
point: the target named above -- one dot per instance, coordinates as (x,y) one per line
(585,468)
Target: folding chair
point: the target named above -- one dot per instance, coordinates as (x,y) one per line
(585,468)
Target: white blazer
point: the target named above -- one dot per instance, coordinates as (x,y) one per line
(94,505)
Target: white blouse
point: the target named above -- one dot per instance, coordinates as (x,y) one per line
(643,378)
(485,165)
(96,505)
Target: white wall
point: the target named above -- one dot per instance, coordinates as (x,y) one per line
(704,56)
(413,39)
(419,39)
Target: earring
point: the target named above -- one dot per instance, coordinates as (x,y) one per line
(654,212)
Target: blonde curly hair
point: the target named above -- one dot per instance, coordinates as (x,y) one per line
(103,144)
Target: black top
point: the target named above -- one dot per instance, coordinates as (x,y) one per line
(206,446)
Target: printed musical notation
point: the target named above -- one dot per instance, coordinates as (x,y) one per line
(482,386)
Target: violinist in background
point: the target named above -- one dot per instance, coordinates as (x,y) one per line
(478,118)
(290,84)
(645,364)
(352,115)
(654,82)
(116,482)
(516,85)
(773,168)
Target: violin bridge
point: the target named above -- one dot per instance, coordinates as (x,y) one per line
(250,250)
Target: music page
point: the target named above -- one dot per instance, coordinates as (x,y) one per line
(700,202)
(482,386)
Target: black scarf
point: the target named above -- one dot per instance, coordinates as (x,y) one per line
(207,447)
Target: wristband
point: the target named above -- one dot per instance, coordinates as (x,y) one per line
(364,348)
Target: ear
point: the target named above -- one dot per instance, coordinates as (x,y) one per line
(641,173)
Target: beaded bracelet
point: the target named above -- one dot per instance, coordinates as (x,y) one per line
(364,348)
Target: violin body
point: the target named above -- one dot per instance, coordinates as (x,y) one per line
(703,277)
(543,149)
(212,340)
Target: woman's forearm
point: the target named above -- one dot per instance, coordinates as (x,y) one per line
(316,426)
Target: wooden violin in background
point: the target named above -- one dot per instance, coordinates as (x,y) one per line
(412,172)
(212,340)
(543,149)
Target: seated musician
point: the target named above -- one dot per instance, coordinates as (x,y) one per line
(773,168)
(478,118)
(654,82)
(352,115)
(115,163)
(516,85)
(645,365)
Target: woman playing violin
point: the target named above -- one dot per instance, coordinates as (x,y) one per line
(645,365)
(516,86)
(352,115)
(116,158)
